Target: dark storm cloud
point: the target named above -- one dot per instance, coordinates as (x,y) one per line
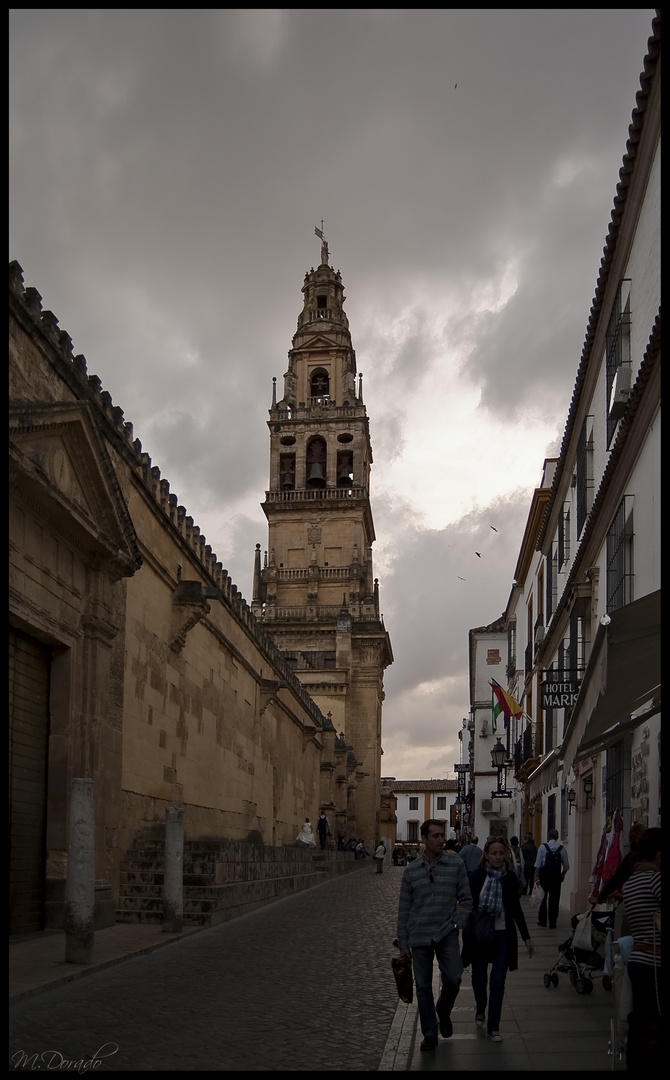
(167,169)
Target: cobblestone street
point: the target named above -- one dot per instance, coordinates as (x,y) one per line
(303,984)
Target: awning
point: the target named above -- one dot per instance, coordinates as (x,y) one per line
(624,673)
(545,776)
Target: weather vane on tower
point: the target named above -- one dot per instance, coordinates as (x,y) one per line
(324,244)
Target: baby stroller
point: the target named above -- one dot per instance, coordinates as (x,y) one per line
(583,956)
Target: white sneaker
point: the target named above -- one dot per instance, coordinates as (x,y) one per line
(495,1036)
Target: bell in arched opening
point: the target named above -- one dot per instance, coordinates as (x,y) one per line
(287,472)
(319,385)
(345,469)
(315,464)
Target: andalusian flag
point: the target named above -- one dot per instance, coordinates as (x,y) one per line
(502,702)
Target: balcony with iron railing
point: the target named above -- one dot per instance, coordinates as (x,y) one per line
(528,747)
(528,659)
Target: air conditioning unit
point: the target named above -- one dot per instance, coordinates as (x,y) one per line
(491,806)
(621,391)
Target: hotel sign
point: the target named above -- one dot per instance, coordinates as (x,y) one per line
(462,773)
(559,695)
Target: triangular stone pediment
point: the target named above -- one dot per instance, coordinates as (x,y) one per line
(59,458)
(318,341)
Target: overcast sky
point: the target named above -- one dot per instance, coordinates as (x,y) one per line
(167,170)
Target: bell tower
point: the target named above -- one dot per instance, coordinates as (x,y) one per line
(316,594)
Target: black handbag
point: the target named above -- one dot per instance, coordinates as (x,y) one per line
(402,973)
(481,926)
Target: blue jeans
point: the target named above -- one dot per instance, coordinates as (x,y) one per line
(496,956)
(448,956)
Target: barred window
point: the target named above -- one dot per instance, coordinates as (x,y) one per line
(511,649)
(620,556)
(552,581)
(584,473)
(614,777)
(617,366)
(551,813)
(579,647)
(564,536)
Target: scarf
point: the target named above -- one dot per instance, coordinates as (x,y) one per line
(491,898)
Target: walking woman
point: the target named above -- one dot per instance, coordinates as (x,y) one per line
(495,890)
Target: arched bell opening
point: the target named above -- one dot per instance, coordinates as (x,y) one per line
(345,468)
(315,464)
(287,472)
(319,384)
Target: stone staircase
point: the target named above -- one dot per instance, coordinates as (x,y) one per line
(222,878)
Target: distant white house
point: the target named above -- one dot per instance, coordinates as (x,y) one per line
(418,800)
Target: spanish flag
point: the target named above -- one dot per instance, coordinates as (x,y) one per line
(502,702)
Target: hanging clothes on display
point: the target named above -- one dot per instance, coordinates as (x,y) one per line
(609,853)
(614,855)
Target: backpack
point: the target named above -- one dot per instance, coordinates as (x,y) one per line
(553,863)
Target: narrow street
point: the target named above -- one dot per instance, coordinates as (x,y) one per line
(304,984)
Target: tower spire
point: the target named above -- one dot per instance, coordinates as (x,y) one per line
(317,596)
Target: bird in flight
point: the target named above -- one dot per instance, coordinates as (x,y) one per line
(477,554)
(461,578)
(494,528)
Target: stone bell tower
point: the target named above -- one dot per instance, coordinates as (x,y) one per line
(316,594)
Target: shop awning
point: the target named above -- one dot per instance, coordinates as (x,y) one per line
(623,674)
(545,776)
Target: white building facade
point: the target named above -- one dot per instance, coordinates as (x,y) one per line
(418,800)
(580,636)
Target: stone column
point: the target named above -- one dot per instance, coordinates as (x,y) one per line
(80,882)
(173,877)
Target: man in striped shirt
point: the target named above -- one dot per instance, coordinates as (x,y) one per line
(435,901)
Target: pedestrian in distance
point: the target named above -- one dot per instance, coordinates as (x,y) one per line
(323,829)
(359,851)
(642,904)
(495,890)
(434,903)
(380,854)
(471,854)
(529,852)
(517,862)
(551,866)
(305,837)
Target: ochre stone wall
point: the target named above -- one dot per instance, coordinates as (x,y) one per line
(163,687)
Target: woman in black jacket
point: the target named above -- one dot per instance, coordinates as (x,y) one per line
(494,889)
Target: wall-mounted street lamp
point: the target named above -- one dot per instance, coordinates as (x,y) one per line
(500,761)
(588,790)
(572,797)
